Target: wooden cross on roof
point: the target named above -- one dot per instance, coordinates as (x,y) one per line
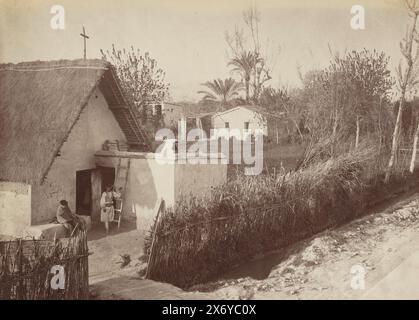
(85,36)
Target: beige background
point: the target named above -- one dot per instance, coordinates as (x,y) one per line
(187,36)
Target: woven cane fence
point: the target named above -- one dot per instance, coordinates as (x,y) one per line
(43,270)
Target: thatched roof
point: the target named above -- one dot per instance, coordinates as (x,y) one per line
(40,102)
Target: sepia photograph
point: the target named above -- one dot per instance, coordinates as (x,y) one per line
(209,154)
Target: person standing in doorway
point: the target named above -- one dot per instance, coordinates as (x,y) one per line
(107,208)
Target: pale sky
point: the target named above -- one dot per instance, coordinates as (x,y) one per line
(187,36)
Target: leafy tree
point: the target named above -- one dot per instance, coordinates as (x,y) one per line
(365,77)
(244,63)
(141,78)
(346,97)
(221,92)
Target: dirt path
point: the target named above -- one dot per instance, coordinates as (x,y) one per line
(109,278)
(320,268)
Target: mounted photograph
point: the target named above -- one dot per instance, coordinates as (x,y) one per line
(209,150)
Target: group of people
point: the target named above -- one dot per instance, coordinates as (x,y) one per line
(108,202)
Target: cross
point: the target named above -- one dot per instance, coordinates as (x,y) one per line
(85,36)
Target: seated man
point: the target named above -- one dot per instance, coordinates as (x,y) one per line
(66,217)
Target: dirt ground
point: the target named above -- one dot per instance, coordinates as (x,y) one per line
(109,253)
(320,267)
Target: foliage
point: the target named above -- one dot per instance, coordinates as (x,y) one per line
(221,92)
(140,76)
(274,100)
(351,88)
(202,237)
(365,77)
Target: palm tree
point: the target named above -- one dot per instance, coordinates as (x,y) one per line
(221,91)
(244,64)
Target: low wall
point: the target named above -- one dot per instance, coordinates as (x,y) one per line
(150,180)
(15,208)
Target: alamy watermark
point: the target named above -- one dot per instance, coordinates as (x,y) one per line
(57,21)
(196,147)
(58,278)
(358,277)
(358,19)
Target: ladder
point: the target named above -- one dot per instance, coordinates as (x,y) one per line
(121,180)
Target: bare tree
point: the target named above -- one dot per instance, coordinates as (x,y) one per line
(406,78)
(247,56)
(414,150)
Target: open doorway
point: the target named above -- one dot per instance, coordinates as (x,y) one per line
(107,177)
(84,192)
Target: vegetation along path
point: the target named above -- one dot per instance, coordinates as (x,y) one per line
(382,246)
(383,243)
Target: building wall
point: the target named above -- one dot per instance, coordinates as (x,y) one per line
(95,125)
(238,117)
(147,182)
(15,208)
(150,181)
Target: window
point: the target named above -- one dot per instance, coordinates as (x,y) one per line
(246,125)
(157,110)
(227,124)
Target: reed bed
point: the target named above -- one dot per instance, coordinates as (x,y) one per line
(202,237)
(25,268)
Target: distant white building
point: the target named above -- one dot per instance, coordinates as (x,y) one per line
(172,114)
(242,118)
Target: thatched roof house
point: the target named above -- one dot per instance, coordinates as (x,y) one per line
(56,122)
(40,102)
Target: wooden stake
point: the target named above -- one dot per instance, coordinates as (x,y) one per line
(414,151)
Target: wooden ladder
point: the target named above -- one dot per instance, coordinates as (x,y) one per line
(121,180)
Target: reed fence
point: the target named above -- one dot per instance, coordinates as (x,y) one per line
(27,269)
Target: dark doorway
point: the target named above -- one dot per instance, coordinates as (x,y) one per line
(107,177)
(84,192)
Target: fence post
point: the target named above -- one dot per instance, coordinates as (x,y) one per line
(153,241)
(20,272)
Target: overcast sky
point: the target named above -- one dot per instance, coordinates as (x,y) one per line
(187,36)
